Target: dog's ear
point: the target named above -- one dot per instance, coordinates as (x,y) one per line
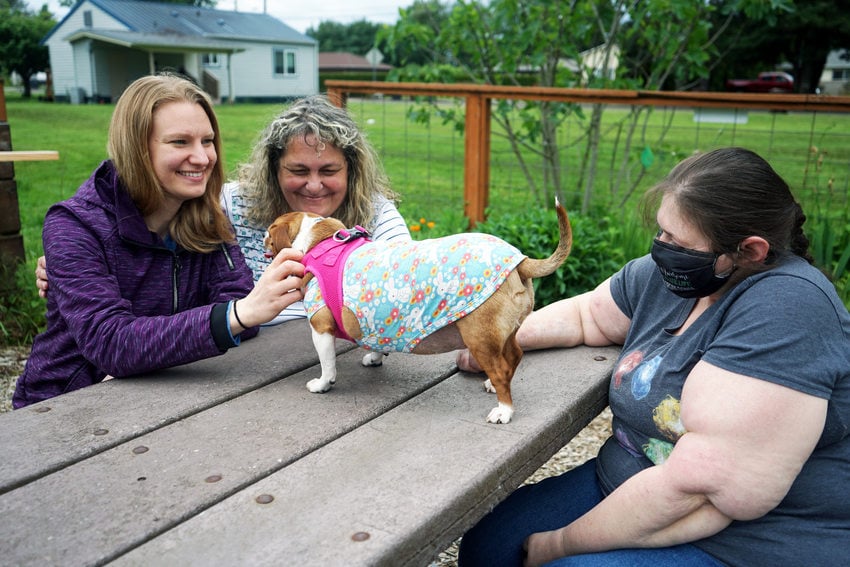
(325,228)
(281,233)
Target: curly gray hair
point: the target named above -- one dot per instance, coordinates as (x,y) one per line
(314,116)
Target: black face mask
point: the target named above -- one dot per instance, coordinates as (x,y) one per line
(687,273)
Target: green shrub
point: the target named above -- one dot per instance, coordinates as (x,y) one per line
(595,253)
(829,245)
(21,310)
(601,245)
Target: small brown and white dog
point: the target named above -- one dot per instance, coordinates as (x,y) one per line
(469,290)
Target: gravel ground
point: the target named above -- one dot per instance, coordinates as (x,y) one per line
(12,360)
(582,447)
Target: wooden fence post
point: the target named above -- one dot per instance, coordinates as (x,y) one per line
(476,178)
(11,240)
(337,97)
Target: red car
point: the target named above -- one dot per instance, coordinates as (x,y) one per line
(767,82)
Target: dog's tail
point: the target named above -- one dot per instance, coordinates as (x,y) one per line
(534,268)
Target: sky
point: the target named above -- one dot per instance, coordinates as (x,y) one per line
(298,15)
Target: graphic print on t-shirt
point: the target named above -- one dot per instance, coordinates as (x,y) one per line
(666,415)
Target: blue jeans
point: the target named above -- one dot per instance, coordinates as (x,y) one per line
(551,504)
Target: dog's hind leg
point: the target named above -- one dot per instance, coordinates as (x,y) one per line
(373,358)
(500,366)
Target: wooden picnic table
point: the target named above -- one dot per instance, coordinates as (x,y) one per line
(231,461)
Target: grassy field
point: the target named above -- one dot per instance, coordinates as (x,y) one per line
(425,162)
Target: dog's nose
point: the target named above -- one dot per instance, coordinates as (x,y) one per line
(267,245)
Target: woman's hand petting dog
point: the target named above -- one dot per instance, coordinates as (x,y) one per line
(278,288)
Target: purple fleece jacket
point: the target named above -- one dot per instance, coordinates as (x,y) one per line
(121,302)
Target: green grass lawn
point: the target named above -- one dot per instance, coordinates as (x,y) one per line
(425,163)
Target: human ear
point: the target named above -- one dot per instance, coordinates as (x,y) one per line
(754,249)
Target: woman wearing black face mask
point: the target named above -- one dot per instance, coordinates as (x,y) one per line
(731,399)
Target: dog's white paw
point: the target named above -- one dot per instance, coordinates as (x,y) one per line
(319,385)
(373,359)
(500,414)
(488,387)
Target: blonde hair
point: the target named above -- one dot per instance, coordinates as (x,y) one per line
(200,225)
(313,116)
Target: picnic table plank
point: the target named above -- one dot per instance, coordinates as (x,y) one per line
(123,496)
(398,478)
(28,155)
(67,432)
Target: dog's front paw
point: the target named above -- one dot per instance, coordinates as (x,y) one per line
(500,414)
(488,387)
(373,359)
(319,385)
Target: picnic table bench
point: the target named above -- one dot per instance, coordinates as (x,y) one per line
(231,461)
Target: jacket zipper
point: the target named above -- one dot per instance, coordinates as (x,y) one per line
(227,257)
(175,273)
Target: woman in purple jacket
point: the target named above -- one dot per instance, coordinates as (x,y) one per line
(146,273)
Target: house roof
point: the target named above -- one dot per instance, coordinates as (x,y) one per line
(160,42)
(343,61)
(170,23)
(838,59)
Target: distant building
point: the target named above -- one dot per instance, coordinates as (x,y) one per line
(101,46)
(341,62)
(835,79)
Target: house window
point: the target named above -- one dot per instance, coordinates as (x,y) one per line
(87,18)
(840,74)
(284,62)
(211,60)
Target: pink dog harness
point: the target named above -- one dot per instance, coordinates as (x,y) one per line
(325,262)
(403,291)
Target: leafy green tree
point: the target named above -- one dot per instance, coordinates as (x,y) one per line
(411,40)
(634,44)
(810,32)
(505,42)
(801,33)
(20,34)
(357,37)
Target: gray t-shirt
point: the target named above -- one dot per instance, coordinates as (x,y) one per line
(787,326)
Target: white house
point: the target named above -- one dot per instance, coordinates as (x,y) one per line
(101,46)
(835,79)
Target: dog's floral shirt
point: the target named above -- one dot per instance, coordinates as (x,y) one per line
(401,292)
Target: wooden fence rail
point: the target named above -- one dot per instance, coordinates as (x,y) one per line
(478,116)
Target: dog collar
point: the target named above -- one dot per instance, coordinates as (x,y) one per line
(349,234)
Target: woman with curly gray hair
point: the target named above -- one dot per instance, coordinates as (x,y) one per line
(311,157)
